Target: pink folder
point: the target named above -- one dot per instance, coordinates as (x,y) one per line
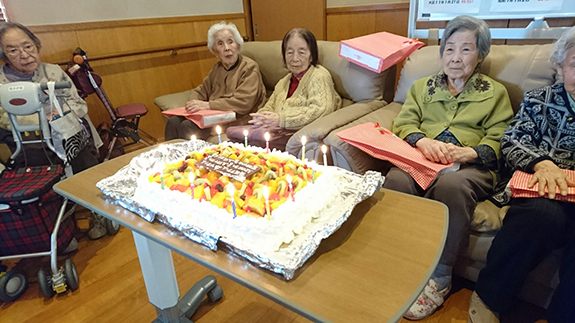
(519,188)
(378,52)
(203,118)
(387,146)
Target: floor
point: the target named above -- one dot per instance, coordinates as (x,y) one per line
(112,290)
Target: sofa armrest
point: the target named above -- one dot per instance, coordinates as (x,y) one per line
(320,128)
(172,101)
(351,158)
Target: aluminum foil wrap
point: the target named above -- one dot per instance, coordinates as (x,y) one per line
(120,188)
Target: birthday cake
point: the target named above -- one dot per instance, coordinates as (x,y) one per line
(249,197)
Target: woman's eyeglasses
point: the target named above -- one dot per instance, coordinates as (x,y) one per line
(17,51)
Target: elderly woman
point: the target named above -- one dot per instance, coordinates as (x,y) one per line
(20,50)
(234,84)
(304,95)
(455,116)
(534,227)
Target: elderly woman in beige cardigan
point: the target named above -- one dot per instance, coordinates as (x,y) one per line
(304,95)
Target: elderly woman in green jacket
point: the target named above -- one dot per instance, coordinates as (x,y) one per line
(455,116)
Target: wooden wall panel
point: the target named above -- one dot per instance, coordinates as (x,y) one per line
(348,22)
(394,21)
(138,77)
(271,20)
(56,45)
(342,26)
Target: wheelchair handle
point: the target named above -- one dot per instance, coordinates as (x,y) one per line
(57,85)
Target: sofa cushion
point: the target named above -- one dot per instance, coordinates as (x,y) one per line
(520,68)
(343,152)
(487,217)
(268,55)
(172,101)
(351,81)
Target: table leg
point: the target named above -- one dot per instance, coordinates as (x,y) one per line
(159,277)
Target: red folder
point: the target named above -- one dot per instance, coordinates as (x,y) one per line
(519,188)
(203,118)
(387,146)
(379,51)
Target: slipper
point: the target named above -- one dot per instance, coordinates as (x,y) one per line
(479,312)
(428,301)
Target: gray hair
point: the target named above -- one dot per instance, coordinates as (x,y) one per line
(219,27)
(6,26)
(481,29)
(561,46)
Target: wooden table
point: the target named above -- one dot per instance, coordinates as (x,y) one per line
(370,270)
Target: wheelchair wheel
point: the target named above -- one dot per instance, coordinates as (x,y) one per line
(71,275)
(112,227)
(45,283)
(13,284)
(216,294)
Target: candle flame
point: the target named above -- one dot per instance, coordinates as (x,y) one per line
(303,140)
(246,133)
(193,137)
(266,192)
(191,177)
(267,136)
(324,148)
(288,178)
(218,130)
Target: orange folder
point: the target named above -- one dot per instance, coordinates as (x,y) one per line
(203,118)
(378,52)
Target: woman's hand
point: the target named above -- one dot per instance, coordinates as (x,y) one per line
(196,105)
(460,155)
(434,150)
(265,119)
(547,174)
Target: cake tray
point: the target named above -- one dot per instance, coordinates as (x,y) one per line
(120,188)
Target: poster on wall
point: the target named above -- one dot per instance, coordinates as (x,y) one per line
(463,7)
(525,5)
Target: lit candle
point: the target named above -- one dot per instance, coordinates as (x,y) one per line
(303,141)
(162,173)
(246,138)
(219,132)
(266,196)
(194,141)
(290,187)
(267,137)
(192,186)
(324,150)
(231,191)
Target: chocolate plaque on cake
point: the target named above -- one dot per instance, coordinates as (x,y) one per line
(229,167)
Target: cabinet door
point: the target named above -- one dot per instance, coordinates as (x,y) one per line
(272,19)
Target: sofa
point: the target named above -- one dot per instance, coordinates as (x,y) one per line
(519,68)
(362,91)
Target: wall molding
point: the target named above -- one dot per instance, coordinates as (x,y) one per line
(375,7)
(132,22)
